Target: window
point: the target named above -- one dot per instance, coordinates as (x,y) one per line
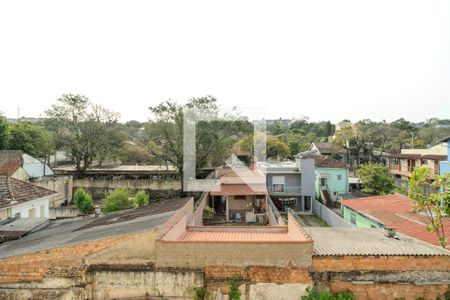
(323,181)
(339,177)
(353,218)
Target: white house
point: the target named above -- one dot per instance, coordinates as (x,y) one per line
(21,199)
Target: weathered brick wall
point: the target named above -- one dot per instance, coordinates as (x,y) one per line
(259,282)
(384,277)
(57,262)
(384,263)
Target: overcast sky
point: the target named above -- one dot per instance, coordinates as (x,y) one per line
(329,60)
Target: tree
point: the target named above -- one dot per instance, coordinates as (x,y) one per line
(83,200)
(32,139)
(141,199)
(274,146)
(4,133)
(118,199)
(376,179)
(214,139)
(435,205)
(87,131)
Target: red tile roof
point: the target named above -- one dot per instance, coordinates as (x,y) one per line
(245,234)
(324,161)
(396,211)
(14,191)
(10,161)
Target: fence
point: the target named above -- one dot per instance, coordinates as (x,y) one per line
(329,216)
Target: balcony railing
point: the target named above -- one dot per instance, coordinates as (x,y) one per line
(284,190)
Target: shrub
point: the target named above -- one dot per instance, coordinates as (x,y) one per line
(200,294)
(117,200)
(208,213)
(322,294)
(141,199)
(235,293)
(83,200)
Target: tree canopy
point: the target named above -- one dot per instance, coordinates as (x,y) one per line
(376,179)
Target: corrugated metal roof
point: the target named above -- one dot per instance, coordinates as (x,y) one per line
(332,241)
(35,168)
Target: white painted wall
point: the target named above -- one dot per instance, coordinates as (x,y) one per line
(24,208)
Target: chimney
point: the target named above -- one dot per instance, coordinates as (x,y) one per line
(390,232)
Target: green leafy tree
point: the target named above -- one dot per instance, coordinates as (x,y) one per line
(214,139)
(4,133)
(208,213)
(376,179)
(118,199)
(274,146)
(87,131)
(83,200)
(141,199)
(435,205)
(32,139)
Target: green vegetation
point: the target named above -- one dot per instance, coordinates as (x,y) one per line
(376,179)
(235,293)
(200,294)
(208,213)
(118,199)
(141,199)
(83,200)
(435,205)
(87,131)
(322,294)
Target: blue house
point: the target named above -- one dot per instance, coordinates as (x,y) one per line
(331,178)
(445,165)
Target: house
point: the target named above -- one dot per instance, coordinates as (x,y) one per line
(445,165)
(291,184)
(329,149)
(332,178)
(20,199)
(402,164)
(239,195)
(390,211)
(21,166)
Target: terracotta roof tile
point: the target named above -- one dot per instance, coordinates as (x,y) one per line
(396,211)
(10,161)
(14,191)
(324,161)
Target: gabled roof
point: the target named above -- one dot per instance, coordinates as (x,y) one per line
(10,161)
(329,148)
(323,161)
(14,191)
(396,211)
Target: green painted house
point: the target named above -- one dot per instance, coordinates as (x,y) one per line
(331,178)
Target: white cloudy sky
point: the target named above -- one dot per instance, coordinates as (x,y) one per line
(324,59)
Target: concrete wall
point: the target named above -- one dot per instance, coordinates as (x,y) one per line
(308,177)
(140,184)
(329,216)
(63,212)
(62,185)
(24,208)
(202,254)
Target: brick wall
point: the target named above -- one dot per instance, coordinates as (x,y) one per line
(384,277)
(382,263)
(57,262)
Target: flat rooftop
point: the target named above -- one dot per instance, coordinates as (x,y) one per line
(251,234)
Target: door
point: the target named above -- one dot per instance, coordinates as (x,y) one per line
(32,212)
(323,182)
